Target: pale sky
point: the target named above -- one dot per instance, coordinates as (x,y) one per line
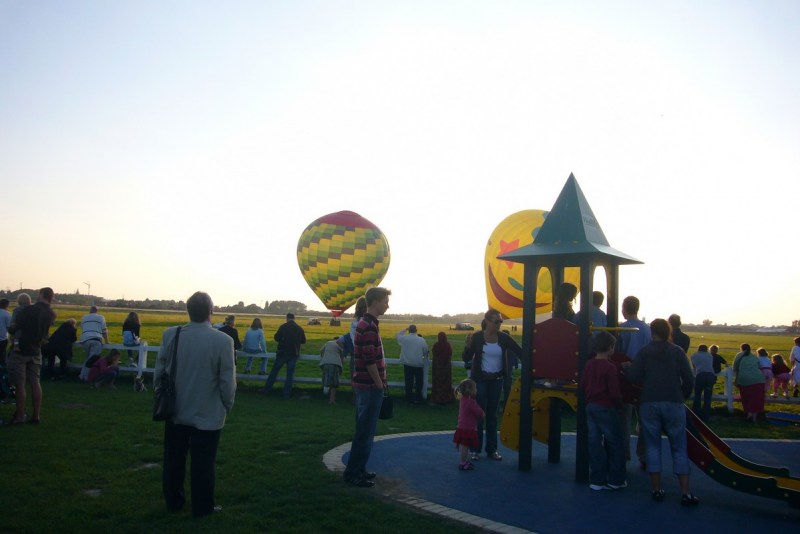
(158,148)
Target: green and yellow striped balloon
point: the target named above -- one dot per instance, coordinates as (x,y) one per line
(341,255)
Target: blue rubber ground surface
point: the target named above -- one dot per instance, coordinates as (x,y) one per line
(547,499)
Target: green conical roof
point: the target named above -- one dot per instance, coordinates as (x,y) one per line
(569,229)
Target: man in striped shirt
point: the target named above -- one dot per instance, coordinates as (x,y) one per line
(369,384)
(93,334)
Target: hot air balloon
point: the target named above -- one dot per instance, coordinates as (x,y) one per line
(504,279)
(341,255)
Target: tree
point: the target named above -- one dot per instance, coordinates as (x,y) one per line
(280,307)
(707,322)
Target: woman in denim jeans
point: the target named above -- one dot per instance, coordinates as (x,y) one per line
(488,353)
(667,381)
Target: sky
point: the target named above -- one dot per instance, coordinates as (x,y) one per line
(152,149)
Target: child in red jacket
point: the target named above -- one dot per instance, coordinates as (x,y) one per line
(600,383)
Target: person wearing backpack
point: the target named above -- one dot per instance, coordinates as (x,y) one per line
(30,330)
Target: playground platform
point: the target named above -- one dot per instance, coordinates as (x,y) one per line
(420,470)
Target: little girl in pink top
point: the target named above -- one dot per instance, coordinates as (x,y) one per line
(469,413)
(782,375)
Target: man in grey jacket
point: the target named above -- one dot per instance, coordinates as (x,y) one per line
(205,384)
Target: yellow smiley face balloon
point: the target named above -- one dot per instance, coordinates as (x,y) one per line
(505,279)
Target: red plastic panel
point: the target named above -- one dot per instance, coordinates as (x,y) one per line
(555,350)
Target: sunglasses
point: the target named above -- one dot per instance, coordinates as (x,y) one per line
(497,321)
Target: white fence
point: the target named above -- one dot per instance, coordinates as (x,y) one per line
(142,363)
(142,367)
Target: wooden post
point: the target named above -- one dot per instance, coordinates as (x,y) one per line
(528,327)
(584,348)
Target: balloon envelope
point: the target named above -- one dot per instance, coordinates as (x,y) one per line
(341,255)
(505,279)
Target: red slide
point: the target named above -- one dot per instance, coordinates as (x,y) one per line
(715,457)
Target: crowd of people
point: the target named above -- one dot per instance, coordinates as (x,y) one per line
(92,334)
(653,357)
(657,361)
(640,378)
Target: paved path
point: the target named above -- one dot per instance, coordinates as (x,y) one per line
(421,470)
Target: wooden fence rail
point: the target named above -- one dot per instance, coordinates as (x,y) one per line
(143,366)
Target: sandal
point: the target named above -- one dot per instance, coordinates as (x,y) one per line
(466,467)
(658,495)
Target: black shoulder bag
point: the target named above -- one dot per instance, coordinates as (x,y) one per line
(387,406)
(164,405)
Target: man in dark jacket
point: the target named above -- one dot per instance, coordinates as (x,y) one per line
(290,337)
(229,328)
(678,337)
(60,344)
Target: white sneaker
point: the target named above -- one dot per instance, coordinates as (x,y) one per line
(618,486)
(598,487)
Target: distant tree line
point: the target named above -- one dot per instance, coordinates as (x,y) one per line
(276,307)
(77,299)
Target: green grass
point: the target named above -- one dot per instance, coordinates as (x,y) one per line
(94,464)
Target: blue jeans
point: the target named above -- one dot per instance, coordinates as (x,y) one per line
(606,454)
(670,418)
(703,387)
(368,407)
(291,363)
(488,399)
(249,364)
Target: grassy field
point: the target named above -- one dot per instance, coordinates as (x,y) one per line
(93,465)
(154,324)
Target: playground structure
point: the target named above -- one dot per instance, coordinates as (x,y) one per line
(558,350)
(570,237)
(556,356)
